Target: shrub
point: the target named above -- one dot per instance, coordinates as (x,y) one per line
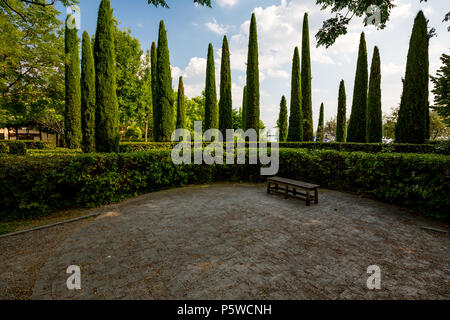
(4,148)
(18,148)
(133,133)
(35,186)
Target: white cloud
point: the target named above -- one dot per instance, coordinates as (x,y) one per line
(227,3)
(216,28)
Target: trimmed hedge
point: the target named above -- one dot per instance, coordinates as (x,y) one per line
(32,144)
(18,148)
(33,187)
(442,148)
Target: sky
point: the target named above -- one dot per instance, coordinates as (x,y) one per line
(190,28)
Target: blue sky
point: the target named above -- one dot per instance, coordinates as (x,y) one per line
(190,29)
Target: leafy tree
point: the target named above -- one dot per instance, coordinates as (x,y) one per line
(211,116)
(441,89)
(330,129)
(413,116)
(180,106)
(295,131)
(145,98)
(225,102)
(72,114)
(320,129)
(107,113)
(308,130)
(128,63)
(252,101)
(163,3)
(358,119)
(341,121)
(195,110)
(87,95)
(389,123)
(438,129)
(374,113)
(337,25)
(282,122)
(164,92)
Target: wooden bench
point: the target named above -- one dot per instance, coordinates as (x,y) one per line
(290,187)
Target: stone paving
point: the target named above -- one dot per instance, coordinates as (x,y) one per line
(233,241)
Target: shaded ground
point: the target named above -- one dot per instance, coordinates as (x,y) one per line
(234,242)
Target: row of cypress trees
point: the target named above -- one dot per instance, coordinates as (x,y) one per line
(91,110)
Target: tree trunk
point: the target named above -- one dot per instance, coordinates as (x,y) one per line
(146,131)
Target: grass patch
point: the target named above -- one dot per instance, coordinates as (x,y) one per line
(15,226)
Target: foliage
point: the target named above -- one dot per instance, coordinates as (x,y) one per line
(374,113)
(320,136)
(295,131)
(441,89)
(329,130)
(211,114)
(252,102)
(413,117)
(107,112)
(156,111)
(87,95)
(358,120)
(164,102)
(144,116)
(181,123)
(163,3)
(308,130)
(48,183)
(282,122)
(18,148)
(341,121)
(133,133)
(225,102)
(244,109)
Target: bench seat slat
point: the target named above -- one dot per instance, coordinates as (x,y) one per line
(295,183)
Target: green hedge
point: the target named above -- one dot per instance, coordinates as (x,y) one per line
(18,148)
(35,186)
(441,148)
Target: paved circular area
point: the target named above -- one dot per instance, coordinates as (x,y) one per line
(236,242)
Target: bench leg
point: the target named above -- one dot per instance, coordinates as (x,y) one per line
(316,196)
(295,192)
(268,187)
(308,198)
(287,193)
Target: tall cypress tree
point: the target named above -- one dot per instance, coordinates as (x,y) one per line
(295,131)
(320,129)
(244,109)
(72,114)
(252,106)
(374,115)
(358,119)
(107,109)
(87,95)
(211,117)
(225,103)
(283,121)
(156,111)
(181,124)
(308,130)
(413,116)
(341,121)
(164,91)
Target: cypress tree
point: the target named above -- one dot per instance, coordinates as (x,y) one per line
(308,130)
(107,110)
(252,106)
(225,103)
(358,119)
(413,116)
(72,114)
(180,106)
(244,109)
(164,91)
(320,128)
(374,116)
(295,132)
(211,118)
(283,121)
(156,111)
(87,95)
(341,121)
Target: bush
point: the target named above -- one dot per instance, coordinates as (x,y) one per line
(35,186)
(18,148)
(33,144)
(133,133)
(4,148)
